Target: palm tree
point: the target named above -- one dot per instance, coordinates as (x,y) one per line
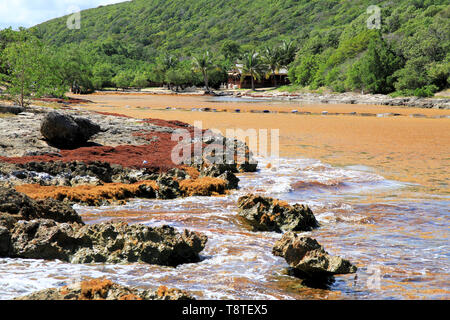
(273,59)
(288,51)
(253,66)
(203,63)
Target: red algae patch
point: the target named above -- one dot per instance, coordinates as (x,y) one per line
(92,195)
(167,123)
(206,186)
(156,155)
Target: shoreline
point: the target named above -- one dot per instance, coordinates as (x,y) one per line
(350,98)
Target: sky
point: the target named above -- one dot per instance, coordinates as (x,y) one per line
(28,13)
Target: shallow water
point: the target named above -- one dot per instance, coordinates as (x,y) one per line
(387,228)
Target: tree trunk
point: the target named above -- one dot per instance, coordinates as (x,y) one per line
(205,77)
(22,88)
(274,79)
(253,83)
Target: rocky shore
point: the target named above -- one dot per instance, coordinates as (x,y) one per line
(94,159)
(52,230)
(50,160)
(311,97)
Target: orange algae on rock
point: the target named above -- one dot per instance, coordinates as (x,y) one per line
(191,171)
(95,289)
(163,292)
(205,186)
(91,195)
(130,297)
(280,203)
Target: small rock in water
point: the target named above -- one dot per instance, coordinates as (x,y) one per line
(268,214)
(309,258)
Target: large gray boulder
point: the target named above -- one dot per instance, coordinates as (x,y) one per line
(67,131)
(309,258)
(268,214)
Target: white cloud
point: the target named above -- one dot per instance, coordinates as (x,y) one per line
(27,13)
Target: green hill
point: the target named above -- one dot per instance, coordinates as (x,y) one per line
(412,47)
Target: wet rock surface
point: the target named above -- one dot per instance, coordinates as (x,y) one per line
(99,243)
(21,207)
(268,214)
(308,258)
(103,289)
(90,190)
(53,230)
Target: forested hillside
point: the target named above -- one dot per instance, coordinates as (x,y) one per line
(129,41)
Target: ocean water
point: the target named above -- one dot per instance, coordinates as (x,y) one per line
(396,235)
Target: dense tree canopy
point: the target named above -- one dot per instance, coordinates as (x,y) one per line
(324,43)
